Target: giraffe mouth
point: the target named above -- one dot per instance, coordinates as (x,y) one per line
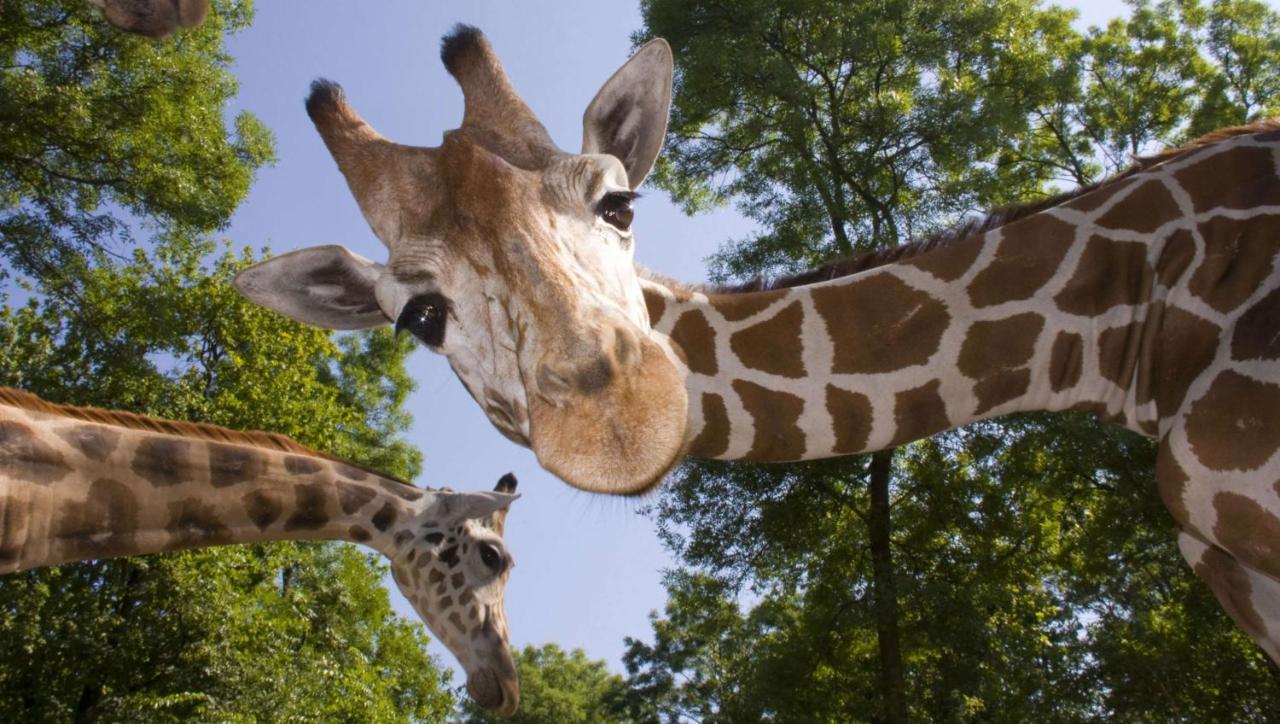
(622,439)
(496,688)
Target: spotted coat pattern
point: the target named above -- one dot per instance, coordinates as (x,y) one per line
(72,489)
(1152,300)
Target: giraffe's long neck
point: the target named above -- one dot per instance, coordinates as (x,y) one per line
(1094,304)
(72,488)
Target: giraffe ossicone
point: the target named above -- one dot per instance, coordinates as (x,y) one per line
(1152,299)
(84,484)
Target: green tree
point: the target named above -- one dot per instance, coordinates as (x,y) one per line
(1013,570)
(248,633)
(559,688)
(101,131)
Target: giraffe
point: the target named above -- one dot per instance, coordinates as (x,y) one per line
(153,18)
(84,484)
(1150,299)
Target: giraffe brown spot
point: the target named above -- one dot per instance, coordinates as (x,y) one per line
(402,537)
(995,390)
(384,517)
(449,556)
(950,261)
(350,472)
(1238,258)
(737,307)
(850,418)
(1146,209)
(298,465)
(1094,199)
(434,577)
(93,441)
(433,538)
(358,534)
(879,324)
(1231,586)
(354,497)
(164,461)
(263,507)
(102,526)
(773,346)
(446,602)
(1066,361)
(195,522)
(697,340)
(991,347)
(309,508)
(1238,178)
(919,413)
(1118,352)
(401,490)
(231,464)
(655,305)
(466,598)
(15,517)
(1248,531)
(713,439)
(456,619)
(1178,253)
(1233,426)
(1109,274)
(1026,258)
(774,414)
(456,580)
(1257,331)
(28,459)
(1184,346)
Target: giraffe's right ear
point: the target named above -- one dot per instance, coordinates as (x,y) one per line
(628,117)
(325,286)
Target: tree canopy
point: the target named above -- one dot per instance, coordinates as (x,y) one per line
(1012,570)
(116,164)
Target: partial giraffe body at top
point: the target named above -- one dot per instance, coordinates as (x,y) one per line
(1151,299)
(84,484)
(153,18)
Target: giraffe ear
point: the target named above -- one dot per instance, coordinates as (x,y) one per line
(628,117)
(480,504)
(325,286)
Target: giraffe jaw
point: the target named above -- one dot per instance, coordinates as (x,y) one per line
(622,440)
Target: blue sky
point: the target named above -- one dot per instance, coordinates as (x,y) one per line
(588,568)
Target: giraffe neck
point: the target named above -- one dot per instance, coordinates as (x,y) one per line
(1092,304)
(78,484)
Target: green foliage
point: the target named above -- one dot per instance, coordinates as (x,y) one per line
(101,129)
(269,632)
(558,688)
(1034,572)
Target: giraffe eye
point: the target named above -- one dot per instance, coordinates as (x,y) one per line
(491,557)
(424,317)
(615,208)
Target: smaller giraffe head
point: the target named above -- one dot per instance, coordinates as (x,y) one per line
(514,259)
(450,562)
(153,18)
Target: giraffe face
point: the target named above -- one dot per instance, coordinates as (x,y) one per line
(513,259)
(450,562)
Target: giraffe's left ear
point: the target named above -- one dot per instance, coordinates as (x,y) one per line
(325,286)
(628,117)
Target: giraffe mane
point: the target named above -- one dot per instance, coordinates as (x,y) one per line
(192,430)
(973,226)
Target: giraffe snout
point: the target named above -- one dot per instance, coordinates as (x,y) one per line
(590,367)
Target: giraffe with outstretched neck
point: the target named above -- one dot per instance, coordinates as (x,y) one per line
(85,484)
(1151,299)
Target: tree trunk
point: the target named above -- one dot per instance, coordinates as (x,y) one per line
(885,593)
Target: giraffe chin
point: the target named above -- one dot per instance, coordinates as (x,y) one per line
(622,440)
(499,694)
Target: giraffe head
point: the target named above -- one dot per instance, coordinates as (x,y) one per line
(153,18)
(514,260)
(450,562)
